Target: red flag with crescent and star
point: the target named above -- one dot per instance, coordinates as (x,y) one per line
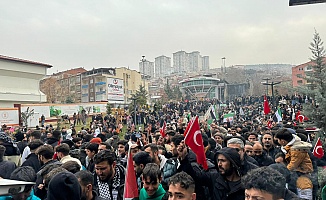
(131,188)
(267,109)
(195,141)
(318,149)
(300,118)
(163,129)
(269,124)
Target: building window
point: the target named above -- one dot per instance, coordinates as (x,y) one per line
(299,82)
(299,75)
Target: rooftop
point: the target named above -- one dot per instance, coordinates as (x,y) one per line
(24,61)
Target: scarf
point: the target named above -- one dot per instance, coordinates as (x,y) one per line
(110,191)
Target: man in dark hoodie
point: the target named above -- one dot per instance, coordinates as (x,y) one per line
(226,183)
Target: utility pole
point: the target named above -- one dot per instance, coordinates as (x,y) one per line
(266,79)
(272,84)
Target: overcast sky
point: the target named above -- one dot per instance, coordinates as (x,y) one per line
(114,33)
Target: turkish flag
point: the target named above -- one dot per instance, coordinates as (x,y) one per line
(269,124)
(162,129)
(195,141)
(318,149)
(188,126)
(267,109)
(300,118)
(131,188)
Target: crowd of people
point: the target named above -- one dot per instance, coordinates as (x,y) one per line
(249,156)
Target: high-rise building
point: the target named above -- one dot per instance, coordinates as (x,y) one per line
(205,63)
(180,60)
(189,62)
(162,66)
(194,61)
(147,68)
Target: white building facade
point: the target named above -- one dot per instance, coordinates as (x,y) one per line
(189,62)
(20,81)
(205,63)
(146,68)
(162,66)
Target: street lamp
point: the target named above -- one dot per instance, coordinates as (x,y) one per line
(223,63)
(143,60)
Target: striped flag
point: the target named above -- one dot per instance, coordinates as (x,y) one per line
(278,115)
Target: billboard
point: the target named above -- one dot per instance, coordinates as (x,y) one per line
(115,89)
(9,116)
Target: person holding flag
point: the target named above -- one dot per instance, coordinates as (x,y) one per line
(267,109)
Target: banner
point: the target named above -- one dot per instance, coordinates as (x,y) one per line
(115,89)
(9,116)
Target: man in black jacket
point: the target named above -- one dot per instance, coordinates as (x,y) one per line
(268,145)
(226,183)
(246,161)
(32,159)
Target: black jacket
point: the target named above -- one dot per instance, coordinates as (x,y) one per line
(219,187)
(246,166)
(52,141)
(263,160)
(32,160)
(6,167)
(272,151)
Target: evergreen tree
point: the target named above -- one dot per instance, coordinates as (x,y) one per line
(177,93)
(168,91)
(141,98)
(316,83)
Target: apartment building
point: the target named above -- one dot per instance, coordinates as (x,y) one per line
(162,66)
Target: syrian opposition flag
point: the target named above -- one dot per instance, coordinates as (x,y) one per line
(318,149)
(267,109)
(195,141)
(131,188)
(163,129)
(228,117)
(212,112)
(277,116)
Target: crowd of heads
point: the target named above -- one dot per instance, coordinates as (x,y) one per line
(244,149)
